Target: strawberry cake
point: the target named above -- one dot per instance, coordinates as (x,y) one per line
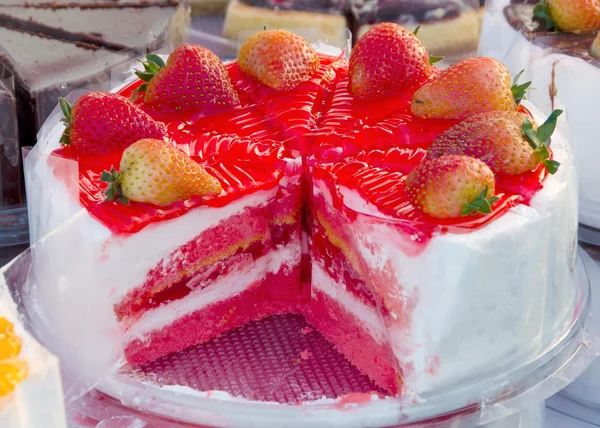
(368,195)
(558,50)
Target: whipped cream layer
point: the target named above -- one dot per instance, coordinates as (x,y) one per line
(368,317)
(223,288)
(559,81)
(38,400)
(471,302)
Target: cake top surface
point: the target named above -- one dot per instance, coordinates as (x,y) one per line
(370,125)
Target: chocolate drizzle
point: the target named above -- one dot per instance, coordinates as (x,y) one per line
(298,5)
(84,40)
(520,16)
(404,11)
(34,104)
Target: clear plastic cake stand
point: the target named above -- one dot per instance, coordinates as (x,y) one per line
(589,234)
(581,399)
(280,373)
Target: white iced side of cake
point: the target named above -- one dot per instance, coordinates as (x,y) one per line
(85,268)
(38,400)
(478,301)
(558,81)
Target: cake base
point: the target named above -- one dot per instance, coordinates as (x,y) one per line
(242,21)
(207,7)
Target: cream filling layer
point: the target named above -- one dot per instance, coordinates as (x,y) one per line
(224,288)
(370,318)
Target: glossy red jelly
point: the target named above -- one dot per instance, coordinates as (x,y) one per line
(365,145)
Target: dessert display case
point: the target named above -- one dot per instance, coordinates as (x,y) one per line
(560,66)
(446,28)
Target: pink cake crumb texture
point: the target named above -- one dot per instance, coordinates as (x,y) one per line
(305,355)
(340,327)
(277,293)
(306,330)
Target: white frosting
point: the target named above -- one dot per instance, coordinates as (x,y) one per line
(506,286)
(223,288)
(480,300)
(37,401)
(576,93)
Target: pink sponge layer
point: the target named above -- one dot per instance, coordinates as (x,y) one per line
(340,327)
(277,293)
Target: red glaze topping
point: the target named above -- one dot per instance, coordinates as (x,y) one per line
(368,145)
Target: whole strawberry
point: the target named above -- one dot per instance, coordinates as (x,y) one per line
(494,137)
(155,172)
(474,85)
(101,122)
(278,59)
(452,186)
(508,142)
(570,15)
(193,78)
(387,59)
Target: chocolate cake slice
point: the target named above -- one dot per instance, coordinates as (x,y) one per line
(53,48)
(10,152)
(115,26)
(46,68)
